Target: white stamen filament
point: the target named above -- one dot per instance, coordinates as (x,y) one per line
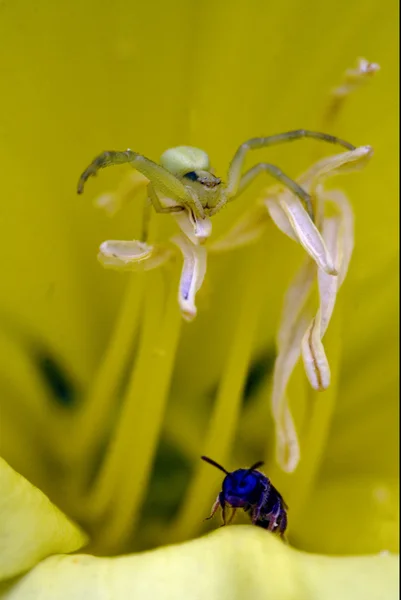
(307,233)
(196,229)
(132,255)
(193,273)
(339,238)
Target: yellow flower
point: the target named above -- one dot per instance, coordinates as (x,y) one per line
(108,397)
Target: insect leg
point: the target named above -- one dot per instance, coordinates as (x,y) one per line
(273,516)
(234,510)
(256,514)
(214,508)
(235,169)
(258,508)
(223,508)
(282,525)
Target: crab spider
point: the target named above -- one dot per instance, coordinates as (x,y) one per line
(184,174)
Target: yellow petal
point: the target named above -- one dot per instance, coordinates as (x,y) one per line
(129,187)
(237,563)
(31,527)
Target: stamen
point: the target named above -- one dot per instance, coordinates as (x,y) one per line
(346,230)
(141,422)
(132,255)
(295,335)
(197,229)
(346,162)
(294,324)
(248,229)
(138,428)
(353,79)
(338,235)
(295,301)
(316,364)
(94,419)
(316,428)
(193,273)
(224,418)
(291,217)
(307,233)
(278,215)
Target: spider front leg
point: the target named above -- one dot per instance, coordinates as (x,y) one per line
(162,180)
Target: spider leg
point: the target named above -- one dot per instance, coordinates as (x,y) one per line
(278,174)
(163,180)
(153,199)
(235,169)
(158,206)
(145,220)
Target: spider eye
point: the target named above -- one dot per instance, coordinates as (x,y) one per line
(191,175)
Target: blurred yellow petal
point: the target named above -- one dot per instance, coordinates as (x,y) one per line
(129,188)
(366,509)
(31,527)
(232,564)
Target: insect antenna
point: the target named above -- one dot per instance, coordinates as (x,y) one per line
(255,466)
(214,464)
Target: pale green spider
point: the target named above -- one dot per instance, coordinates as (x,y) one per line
(184,174)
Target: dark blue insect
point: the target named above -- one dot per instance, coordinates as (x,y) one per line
(252,491)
